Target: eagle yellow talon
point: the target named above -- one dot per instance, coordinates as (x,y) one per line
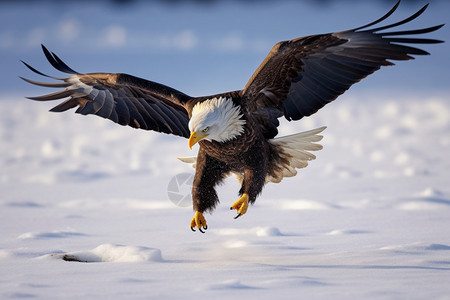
(241,205)
(198,221)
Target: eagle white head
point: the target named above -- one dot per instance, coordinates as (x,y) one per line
(215,119)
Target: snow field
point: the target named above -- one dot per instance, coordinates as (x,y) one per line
(368,218)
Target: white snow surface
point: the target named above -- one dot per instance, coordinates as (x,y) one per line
(85,212)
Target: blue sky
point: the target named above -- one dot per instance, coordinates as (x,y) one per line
(199,49)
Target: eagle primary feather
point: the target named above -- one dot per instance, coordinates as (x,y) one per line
(297,78)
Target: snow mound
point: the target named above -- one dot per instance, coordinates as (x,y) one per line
(428,199)
(417,247)
(115,253)
(268,231)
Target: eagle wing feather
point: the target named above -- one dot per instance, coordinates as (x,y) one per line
(122,98)
(300,76)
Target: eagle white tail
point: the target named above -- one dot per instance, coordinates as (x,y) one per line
(295,148)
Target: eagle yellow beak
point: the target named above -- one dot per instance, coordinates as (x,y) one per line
(196,137)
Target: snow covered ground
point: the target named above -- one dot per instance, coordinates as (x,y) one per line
(369,219)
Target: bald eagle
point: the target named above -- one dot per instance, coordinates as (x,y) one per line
(237,130)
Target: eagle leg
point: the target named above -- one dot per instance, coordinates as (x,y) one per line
(240,205)
(199,221)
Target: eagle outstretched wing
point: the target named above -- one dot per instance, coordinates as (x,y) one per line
(296,79)
(300,76)
(122,98)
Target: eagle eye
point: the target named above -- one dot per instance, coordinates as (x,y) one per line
(205,130)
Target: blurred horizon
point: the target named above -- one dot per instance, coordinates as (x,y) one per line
(200,2)
(199,47)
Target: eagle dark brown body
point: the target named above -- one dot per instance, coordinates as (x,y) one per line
(250,155)
(237,130)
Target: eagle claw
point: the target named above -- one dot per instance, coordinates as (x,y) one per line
(241,205)
(200,229)
(199,221)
